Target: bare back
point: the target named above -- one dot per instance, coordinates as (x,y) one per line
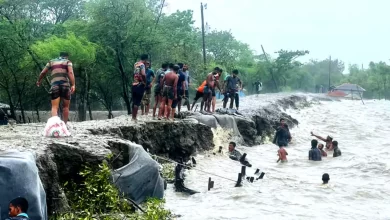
(170,79)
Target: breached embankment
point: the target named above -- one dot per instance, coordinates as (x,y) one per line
(60,160)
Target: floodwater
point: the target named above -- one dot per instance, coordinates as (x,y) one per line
(359,179)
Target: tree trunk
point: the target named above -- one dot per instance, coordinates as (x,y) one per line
(89,96)
(37,112)
(124,84)
(82,104)
(273,79)
(11,105)
(110,115)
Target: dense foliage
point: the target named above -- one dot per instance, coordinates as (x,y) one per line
(97,198)
(105,38)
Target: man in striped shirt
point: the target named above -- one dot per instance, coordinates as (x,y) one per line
(61,70)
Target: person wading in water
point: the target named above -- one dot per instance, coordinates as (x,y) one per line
(282,136)
(328,140)
(61,73)
(169,92)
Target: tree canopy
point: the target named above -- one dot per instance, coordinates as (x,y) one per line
(105,38)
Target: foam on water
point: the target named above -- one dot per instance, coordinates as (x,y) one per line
(359,179)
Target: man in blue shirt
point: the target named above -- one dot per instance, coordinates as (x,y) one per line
(18,209)
(180,90)
(231,88)
(150,78)
(314,153)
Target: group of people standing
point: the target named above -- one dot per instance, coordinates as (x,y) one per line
(229,87)
(171,83)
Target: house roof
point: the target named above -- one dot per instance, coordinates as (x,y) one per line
(350,87)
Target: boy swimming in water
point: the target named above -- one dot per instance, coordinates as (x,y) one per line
(282,153)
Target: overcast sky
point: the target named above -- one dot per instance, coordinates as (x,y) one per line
(355,31)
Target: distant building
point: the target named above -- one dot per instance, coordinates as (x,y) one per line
(347,90)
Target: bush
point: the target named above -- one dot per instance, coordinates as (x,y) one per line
(97,198)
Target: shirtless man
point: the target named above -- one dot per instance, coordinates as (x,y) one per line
(217,84)
(282,154)
(210,88)
(328,140)
(321,148)
(181,86)
(169,92)
(61,73)
(157,88)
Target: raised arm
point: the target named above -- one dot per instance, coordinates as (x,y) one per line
(319,137)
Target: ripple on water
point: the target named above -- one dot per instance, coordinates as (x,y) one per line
(360,179)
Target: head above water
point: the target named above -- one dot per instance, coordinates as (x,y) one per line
(314,143)
(320,146)
(17,206)
(329,138)
(325,178)
(64,55)
(144,57)
(232,146)
(335,144)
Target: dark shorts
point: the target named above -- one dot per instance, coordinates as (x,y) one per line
(157,90)
(60,91)
(213,93)
(187,93)
(138,93)
(206,90)
(198,95)
(179,98)
(207,97)
(168,92)
(146,98)
(230,94)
